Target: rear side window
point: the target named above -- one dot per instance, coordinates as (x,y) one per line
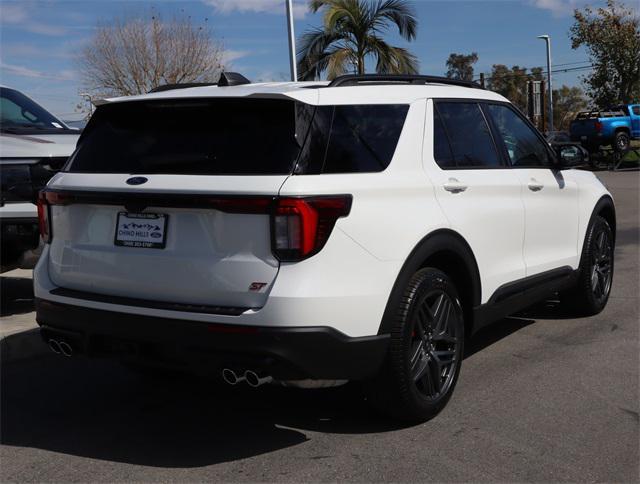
(352,138)
(469,137)
(206,137)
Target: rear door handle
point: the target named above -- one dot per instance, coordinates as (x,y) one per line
(535,185)
(454,186)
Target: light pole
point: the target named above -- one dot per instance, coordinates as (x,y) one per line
(547,39)
(292,42)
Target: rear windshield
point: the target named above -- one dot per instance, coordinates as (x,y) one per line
(238,137)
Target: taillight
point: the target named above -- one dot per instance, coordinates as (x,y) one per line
(44,221)
(301,226)
(598,126)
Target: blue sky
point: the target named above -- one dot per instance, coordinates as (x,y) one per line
(39,39)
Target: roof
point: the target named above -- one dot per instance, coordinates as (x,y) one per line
(319,93)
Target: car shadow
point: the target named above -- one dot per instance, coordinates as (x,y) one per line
(97,409)
(16,295)
(493,333)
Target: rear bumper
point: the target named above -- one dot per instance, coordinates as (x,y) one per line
(286,353)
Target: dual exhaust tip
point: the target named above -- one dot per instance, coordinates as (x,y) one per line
(252,378)
(60,347)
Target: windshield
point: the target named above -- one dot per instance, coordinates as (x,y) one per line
(19,114)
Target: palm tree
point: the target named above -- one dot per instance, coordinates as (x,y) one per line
(352,31)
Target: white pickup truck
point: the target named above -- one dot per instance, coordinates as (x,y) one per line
(34,144)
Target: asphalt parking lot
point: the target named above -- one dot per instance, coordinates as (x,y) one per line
(540,398)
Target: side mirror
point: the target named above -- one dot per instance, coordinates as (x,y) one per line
(570,155)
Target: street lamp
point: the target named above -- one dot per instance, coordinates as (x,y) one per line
(547,39)
(292,42)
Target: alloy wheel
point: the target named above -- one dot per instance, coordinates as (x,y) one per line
(434,344)
(601,266)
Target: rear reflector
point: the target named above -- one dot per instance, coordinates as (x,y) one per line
(44,222)
(301,226)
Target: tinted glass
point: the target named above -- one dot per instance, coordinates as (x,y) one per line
(20,114)
(636,110)
(523,145)
(469,135)
(352,138)
(211,137)
(441,149)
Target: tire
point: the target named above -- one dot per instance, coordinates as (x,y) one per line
(425,351)
(595,276)
(621,142)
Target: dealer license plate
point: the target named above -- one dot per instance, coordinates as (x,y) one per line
(144,230)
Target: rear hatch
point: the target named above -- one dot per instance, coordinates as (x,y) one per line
(168,201)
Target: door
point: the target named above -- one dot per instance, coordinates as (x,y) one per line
(634,112)
(550,196)
(479,194)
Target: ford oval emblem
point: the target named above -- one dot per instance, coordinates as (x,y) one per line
(137,180)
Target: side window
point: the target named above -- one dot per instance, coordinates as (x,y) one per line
(470,138)
(636,110)
(523,145)
(363,138)
(441,148)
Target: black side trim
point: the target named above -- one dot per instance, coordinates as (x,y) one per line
(284,352)
(145,303)
(515,296)
(138,201)
(511,289)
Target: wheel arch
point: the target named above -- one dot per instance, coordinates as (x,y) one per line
(606,209)
(448,251)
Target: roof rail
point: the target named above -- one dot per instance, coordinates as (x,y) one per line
(169,87)
(355,79)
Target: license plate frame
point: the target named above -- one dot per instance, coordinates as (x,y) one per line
(146,224)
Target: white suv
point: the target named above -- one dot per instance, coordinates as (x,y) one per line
(352,230)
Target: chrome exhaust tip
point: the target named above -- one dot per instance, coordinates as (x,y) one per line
(66,349)
(54,346)
(254,380)
(231,377)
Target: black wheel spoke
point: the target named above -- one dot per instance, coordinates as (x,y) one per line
(435,377)
(433,357)
(601,265)
(422,367)
(441,313)
(444,358)
(446,338)
(416,356)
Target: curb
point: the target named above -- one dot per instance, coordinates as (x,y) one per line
(21,345)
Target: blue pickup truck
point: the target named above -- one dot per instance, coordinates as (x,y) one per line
(616,127)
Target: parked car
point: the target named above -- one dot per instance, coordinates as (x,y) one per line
(34,144)
(616,128)
(352,230)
